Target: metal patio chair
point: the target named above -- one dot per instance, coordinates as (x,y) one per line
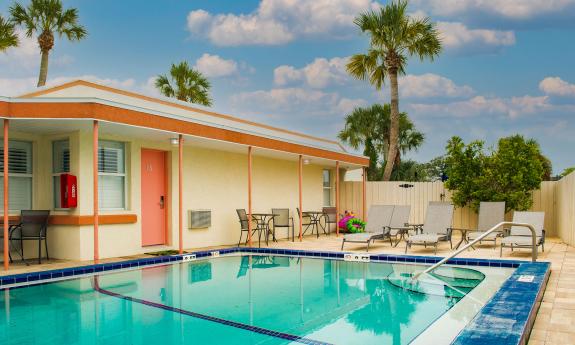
(243,218)
(283,220)
(329,217)
(33,226)
(308,221)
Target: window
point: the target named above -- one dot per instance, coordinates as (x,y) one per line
(20,173)
(111,175)
(60,165)
(326,187)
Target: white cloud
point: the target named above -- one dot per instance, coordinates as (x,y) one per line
(214,66)
(511,9)
(318,74)
(26,57)
(481,105)
(278,21)
(431,85)
(295,102)
(557,87)
(456,35)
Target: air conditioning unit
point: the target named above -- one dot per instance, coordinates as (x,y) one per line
(199,219)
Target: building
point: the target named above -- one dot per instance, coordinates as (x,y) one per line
(53,131)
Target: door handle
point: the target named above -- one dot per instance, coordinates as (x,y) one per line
(162,202)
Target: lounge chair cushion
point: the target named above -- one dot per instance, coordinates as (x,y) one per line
(475,234)
(361,237)
(427,238)
(519,240)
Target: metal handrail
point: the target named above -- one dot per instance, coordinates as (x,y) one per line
(481,237)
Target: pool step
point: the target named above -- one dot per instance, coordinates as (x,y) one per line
(435,284)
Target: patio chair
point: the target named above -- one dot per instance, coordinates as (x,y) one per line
(33,226)
(436,228)
(329,217)
(490,214)
(243,218)
(376,227)
(308,221)
(398,225)
(283,220)
(520,237)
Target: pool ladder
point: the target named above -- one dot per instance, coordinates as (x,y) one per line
(481,237)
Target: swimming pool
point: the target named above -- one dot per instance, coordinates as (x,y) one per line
(245,298)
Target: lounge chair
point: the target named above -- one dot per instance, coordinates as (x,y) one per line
(398,226)
(490,214)
(378,219)
(521,237)
(436,228)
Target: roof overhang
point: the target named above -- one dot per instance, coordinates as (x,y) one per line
(112,112)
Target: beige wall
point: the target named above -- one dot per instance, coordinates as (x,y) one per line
(421,193)
(214,180)
(565,207)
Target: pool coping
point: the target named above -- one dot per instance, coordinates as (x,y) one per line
(495,323)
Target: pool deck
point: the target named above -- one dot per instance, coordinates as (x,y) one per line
(555,322)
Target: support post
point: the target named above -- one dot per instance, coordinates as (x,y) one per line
(6,215)
(300,180)
(363,183)
(337,198)
(180,194)
(95,128)
(250,196)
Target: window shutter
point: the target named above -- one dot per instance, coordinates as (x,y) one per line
(20,170)
(61,156)
(111,181)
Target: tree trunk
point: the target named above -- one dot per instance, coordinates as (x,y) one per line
(43,68)
(394,126)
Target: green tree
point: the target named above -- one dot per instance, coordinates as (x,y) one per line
(410,170)
(567,171)
(369,128)
(185,84)
(547,168)
(45,18)
(394,37)
(8,37)
(508,174)
(436,169)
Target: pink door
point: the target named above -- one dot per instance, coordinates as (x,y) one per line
(153,197)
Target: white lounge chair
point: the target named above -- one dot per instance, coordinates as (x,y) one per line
(378,219)
(490,214)
(437,226)
(521,237)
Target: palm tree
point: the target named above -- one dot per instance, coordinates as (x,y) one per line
(46,18)
(369,127)
(8,37)
(394,37)
(186,84)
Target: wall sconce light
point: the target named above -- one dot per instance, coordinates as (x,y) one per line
(174,141)
(306,161)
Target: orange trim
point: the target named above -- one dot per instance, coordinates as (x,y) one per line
(363,183)
(337,198)
(180,193)
(106,219)
(250,196)
(6,197)
(171,104)
(67,110)
(96,197)
(300,173)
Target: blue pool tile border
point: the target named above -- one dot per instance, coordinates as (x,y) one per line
(496,323)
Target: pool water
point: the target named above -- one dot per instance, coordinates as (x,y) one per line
(236,300)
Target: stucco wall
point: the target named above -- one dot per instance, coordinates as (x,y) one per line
(214,180)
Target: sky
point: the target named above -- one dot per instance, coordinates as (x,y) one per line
(506,67)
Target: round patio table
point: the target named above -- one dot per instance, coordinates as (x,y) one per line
(262,220)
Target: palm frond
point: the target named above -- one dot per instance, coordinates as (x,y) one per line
(8,37)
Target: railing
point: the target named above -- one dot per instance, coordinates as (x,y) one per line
(481,237)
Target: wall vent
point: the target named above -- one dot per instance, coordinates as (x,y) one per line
(199,219)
